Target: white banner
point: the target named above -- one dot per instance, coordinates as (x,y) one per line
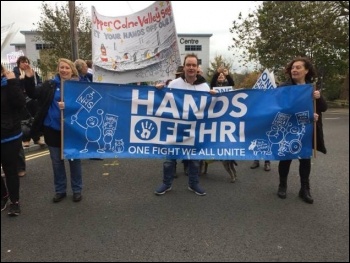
(265,81)
(13,56)
(7,33)
(135,48)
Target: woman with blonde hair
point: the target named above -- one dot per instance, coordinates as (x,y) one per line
(48,121)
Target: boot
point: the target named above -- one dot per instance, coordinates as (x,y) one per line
(282,188)
(255,164)
(304,192)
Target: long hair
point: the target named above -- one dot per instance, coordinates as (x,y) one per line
(75,73)
(310,76)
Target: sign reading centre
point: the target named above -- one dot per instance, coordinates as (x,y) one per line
(184,41)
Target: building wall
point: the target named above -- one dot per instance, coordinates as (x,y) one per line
(201,41)
(31,52)
(193,40)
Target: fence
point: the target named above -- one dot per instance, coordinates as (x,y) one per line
(10,66)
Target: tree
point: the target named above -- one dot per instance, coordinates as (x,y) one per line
(249,80)
(54,31)
(281,30)
(341,8)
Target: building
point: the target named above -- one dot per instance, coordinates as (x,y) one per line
(198,44)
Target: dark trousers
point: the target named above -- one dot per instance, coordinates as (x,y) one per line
(21,160)
(9,162)
(304,169)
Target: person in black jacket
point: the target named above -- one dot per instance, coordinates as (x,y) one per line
(12,104)
(221,78)
(28,112)
(301,71)
(31,104)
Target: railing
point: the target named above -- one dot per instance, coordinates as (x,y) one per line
(10,66)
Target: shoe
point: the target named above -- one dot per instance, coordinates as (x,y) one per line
(267,167)
(59,197)
(306,196)
(4,203)
(197,189)
(77,197)
(162,189)
(255,164)
(21,173)
(14,209)
(39,142)
(282,192)
(26,144)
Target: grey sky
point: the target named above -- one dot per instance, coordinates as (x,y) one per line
(190,17)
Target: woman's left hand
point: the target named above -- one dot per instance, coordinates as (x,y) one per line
(317,94)
(61,105)
(315,117)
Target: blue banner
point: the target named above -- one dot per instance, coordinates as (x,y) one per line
(104,120)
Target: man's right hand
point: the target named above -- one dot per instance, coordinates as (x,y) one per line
(160,85)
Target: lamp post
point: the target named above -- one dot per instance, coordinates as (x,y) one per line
(73,30)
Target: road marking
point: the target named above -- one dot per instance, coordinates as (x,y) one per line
(36,155)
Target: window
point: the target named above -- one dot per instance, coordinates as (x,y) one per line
(193,47)
(43,46)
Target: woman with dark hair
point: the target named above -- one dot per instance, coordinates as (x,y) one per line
(301,71)
(28,111)
(12,104)
(221,78)
(31,104)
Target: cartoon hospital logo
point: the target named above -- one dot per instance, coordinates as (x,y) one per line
(146,129)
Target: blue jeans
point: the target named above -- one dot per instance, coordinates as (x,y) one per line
(59,172)
(169,172)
